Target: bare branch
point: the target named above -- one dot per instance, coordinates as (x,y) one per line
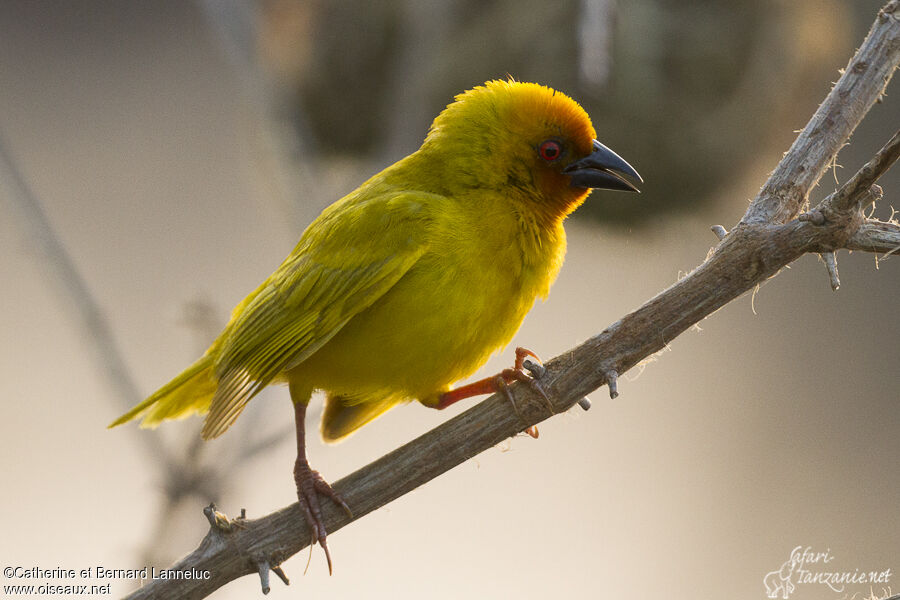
(860,86)
(757,248)
(854,192)
(876,236)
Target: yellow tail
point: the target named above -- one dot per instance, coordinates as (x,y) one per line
(189,393)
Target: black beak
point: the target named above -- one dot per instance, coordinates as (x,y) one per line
(603,169)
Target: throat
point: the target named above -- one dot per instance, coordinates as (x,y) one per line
(542,240)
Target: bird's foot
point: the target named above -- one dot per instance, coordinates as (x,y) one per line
(527,372)
(309,485)
(530,373)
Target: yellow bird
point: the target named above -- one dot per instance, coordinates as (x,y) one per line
(409,283)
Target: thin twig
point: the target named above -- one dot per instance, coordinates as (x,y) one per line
(852,193)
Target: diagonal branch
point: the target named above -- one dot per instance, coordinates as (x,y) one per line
(853,192)
(764,241)
(860,86)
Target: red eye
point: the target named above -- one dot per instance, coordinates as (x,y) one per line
(550,150)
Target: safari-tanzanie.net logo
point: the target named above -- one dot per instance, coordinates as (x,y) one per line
(816,570)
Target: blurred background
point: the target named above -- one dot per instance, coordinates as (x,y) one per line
(160,159)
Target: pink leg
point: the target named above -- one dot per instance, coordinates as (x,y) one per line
(310,484)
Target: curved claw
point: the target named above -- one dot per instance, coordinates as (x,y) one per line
(309,485)
(327,554)
(324,488)
(510,375)
(521,353)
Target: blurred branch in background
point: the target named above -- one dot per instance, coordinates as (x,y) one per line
(83,307)
(769,237)
(183,472)
(286,148)
(63,273)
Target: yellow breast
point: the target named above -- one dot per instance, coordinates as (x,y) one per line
(463,300)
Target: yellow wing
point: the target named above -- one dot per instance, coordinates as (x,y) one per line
(350,256)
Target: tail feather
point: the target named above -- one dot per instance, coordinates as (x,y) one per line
(188,394)
(345,414)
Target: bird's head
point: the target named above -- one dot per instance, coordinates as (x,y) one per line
(532,142)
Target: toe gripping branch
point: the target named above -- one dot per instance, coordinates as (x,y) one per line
(536,372)
(310,485)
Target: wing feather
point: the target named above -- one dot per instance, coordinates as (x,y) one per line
(347,258)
